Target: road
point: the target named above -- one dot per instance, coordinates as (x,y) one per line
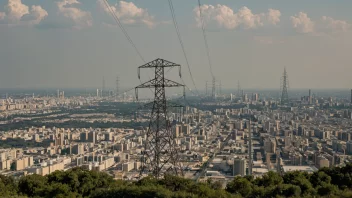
(210,160)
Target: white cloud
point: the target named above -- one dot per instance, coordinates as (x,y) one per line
(335,25)
(16,10)
(129,13)
(225,17)
(274,16)
(80,18)
(17,13)
(36,15)
(302,23)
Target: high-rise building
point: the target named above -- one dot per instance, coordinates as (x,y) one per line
(239,125)
(108,136)
(270,145)
(267,126)
(288,141)
(91,137)
(277,125)
(186,129)
(84,136)
(77,149)
(177,130)
(349,147)
(255,97)
(60,139)
(239,167)
(335,145)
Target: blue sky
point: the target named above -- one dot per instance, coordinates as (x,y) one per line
(62,44)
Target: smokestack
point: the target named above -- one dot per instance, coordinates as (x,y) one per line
(310,97)
(351,95)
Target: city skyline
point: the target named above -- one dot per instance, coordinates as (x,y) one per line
(73,44)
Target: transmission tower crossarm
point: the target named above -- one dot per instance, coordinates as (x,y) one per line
(153,83)
(159,63)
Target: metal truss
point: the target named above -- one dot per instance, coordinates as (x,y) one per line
(160,153)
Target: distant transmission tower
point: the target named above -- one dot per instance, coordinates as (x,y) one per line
(239,92)
(284,88)
(206,88)
(161,154)
(117,88)
(213,90)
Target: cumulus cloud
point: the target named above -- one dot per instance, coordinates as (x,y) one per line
(274,16)
(79,17)
(36,15)
(129,13)
(17,13)
(225,17)
(335,25)
(302,23)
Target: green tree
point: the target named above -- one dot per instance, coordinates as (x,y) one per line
(240,185)
(287,190)
(269,179)
(32,185)
(175,183)
(319,178)
(327,189)
(8,186)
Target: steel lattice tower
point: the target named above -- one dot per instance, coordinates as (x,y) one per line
(206,88)
(160,155)
(213,93)
(284,88)
(239,89)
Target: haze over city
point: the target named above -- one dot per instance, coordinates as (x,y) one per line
(175,98)
(73,44)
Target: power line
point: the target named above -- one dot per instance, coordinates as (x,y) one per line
(205,38)
(118,22)
(181,42)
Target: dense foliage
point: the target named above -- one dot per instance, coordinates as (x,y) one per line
(327,182)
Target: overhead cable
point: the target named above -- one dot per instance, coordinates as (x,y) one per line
(181,42)
(205,38)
